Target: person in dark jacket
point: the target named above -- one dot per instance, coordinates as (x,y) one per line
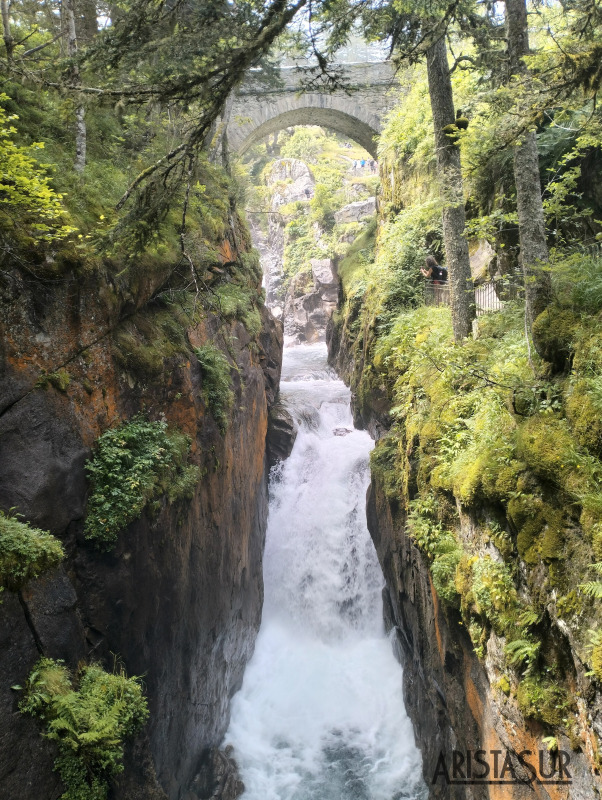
(433,271)
(437,276)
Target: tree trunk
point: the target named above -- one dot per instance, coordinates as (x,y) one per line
(9,42)
(449,170)
(80,113)
(532,232)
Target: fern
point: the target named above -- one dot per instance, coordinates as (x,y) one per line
(593,588)
(89,724)
(527,618)
(523,653)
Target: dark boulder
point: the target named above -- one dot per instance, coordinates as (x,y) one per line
(282,433)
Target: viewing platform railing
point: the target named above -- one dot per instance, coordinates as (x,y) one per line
(489,296)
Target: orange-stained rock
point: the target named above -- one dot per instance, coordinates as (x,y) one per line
(179,599)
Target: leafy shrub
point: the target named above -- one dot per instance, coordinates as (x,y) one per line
(423,526)
(133,464)
(217,382)
(89,723)
(26,198)
(25,552)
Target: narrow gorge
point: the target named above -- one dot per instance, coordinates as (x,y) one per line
(300,401)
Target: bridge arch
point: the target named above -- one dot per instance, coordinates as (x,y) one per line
(339,121)
(356,114)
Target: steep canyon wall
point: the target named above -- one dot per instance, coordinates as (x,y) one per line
(457,700)
(178,600)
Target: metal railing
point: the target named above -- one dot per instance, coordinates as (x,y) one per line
(489,296)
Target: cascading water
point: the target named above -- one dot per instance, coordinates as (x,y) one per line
(320,715)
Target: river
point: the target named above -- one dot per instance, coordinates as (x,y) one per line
(320,715)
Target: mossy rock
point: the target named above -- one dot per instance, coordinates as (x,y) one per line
(545,444)
(554,333)
(500,485)
(385,466)
(539,528)
(60,380)
(542,700)
(569,605)
(143,344)
(584,411)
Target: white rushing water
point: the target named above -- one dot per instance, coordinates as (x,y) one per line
(320,715)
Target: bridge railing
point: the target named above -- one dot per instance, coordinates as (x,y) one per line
(489,296)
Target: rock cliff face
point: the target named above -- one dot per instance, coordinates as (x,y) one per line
(447,691)
(178,601)
(290,181)
(310,299)
(306,313)
(458,702)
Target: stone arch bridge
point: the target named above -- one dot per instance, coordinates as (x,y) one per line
(357,113)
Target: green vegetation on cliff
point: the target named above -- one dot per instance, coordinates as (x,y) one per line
(217,382)
(491,457)
(134,464)
(89,720)
(25,552)
(485,455)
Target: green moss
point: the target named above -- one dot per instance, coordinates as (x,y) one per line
(540,528)
(448,555)
(252,322)
(60,380)
(143,344)
(235,301)
(545,444)
(25,552)
(89,723)
(584,411)
(543,700)
(555,331)
(552,540)
(217,382)
(133,464)
(384,465)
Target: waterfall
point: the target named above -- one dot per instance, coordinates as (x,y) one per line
(320,715)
